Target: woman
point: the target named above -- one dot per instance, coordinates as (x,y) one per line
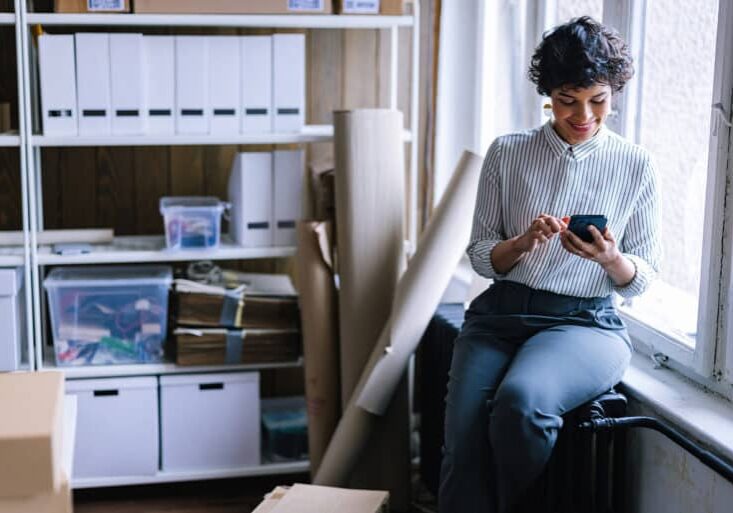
(545,337)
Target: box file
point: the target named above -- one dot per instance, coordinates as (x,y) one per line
(224,80)
(159,58)
(192,85)
(11,322)
(256,53)
(129,109)
(287,201)
(58,84)
(250,194)
(93,84)
(289,81)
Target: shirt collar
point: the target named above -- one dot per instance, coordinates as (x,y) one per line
(578,151)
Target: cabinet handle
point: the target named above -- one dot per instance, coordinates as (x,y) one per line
(102,393)
(211,386)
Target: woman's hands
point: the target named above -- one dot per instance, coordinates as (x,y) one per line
(603,250)
(543,228)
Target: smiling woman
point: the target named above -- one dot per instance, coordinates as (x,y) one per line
(532,346)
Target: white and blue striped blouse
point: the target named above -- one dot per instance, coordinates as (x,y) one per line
(535,172)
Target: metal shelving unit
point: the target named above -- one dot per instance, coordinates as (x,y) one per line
(139,249)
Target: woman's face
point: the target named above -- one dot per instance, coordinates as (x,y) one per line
(580,112)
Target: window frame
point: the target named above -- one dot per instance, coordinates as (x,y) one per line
(712,356)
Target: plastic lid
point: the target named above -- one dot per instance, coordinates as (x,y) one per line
(109,275)
(190,202)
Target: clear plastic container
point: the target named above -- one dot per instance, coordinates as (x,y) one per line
(108,315)
(192,222)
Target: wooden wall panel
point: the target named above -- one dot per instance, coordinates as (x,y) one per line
(151,183)
(116,198)
(10,194)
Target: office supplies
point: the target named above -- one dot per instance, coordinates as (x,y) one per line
(192,85)
(288,74)
(57,69)
(256,55)
(93,83)
(224,84)
(129,105)
(251,196)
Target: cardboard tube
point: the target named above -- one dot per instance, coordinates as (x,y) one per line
(89,236)
(417,296)
(319,316)
(370,197)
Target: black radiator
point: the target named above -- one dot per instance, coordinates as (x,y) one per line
(585,467)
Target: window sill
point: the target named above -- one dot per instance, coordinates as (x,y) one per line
(703,415)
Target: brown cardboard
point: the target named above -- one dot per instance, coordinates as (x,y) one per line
(4,117)
(370,199)
(302,498)
(417,295)
(225,7)
(82,6)
(31,433)
(386,7)
(319,321)
(57,501)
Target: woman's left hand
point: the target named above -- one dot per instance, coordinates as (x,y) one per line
(603,250)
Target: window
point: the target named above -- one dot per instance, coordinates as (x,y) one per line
(681,72)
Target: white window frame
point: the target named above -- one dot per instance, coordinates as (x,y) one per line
(709,362)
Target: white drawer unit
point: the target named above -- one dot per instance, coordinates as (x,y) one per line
(117,427)
(210,421)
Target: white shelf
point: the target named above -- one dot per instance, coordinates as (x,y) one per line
(310,134)
(7,18)
(154,369)
(12,256)
(266,469)
(314,21)
(9,140)
(151,248)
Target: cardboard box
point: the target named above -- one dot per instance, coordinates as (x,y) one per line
(385,7)
(31,433)
(56,501)
(234,6)
(91,6)
(303,498)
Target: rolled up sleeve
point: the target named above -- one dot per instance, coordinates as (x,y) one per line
(641,242)
(487,230)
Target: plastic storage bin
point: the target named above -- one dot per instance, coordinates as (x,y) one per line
(116,427)
(285,429)
(210,421)
(108,315)
(192,222)
(12,349)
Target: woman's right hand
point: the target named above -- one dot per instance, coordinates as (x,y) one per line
(543,228)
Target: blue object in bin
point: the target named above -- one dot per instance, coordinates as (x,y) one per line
(192,222)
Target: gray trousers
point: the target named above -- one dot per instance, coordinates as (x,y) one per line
(522,359)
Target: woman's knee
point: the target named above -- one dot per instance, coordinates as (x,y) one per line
(520,412)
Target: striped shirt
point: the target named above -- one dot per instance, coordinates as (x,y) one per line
(536,172)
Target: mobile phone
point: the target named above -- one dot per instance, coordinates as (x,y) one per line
(579,225)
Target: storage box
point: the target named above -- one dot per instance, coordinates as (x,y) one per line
(192,222)
(54,501)
(31,433)
(234,6)
(210,421)
(215,346)
(384,7)
(250,306)
(108,315)
(117,427)
(302,498)
(285,429)
(91,6)
(12,347)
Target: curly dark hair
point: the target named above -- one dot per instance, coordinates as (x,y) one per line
(580,53)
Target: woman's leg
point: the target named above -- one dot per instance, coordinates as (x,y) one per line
(479,362)
(553,372)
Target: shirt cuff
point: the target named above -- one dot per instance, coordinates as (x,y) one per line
(643,276)
(480,255)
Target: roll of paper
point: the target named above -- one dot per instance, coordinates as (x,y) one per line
(417,297)
(319,325)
